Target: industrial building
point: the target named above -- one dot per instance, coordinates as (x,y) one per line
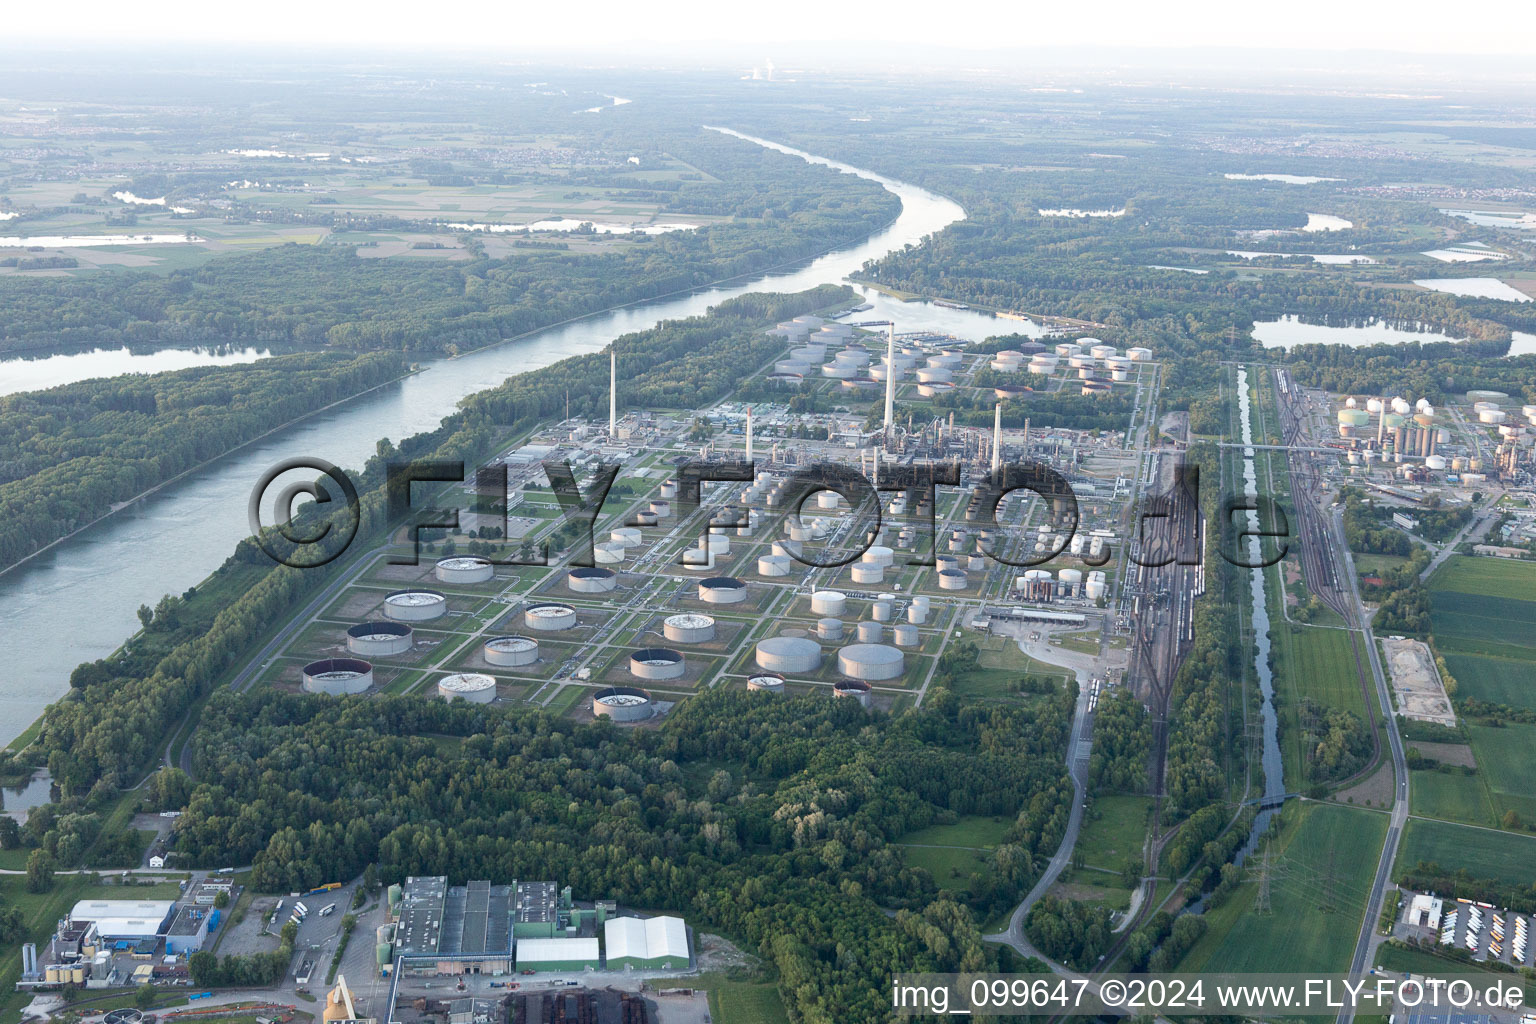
(545,955)
(656,943)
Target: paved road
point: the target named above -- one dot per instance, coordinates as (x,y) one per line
(1478,529)
(1078,747)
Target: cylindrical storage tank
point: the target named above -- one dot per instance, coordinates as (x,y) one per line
(1434,462)
(934,375)
(870,662)
(829,602)
(689,628)
(790,366)
(952,579)
(1082,362)
(661,509)
(606,552)
(878,554)
(828,499)
(1139,354)
(773,565)
(829,629)
(582,580)
(853,689)
(861,573)
(668,489)
(860,384)
(786,548)
(1068,348)
(976,563)
(1071,580)
(917,614)
(622,703)
(798,532)
(1119,374)
(719,543)
(415,605)
(935,388)
(379,639)
(547,618)
(1102,351)
(1094,589)
(463,569)
(722,590)
(766,682)
(870,632)
(1045,365)
(1458,464)
(945,563)
(839,371)
(905,635)
(788,654)
(653,663)
(699,560)
(510,651)
(645,518)
(882,610)
(337,677)
(1491,416)
(383,954)
(474,687)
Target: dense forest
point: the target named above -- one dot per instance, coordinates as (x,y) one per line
(768,818)
(67,455)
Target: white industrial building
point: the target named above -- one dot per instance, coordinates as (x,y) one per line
(124,919)
(655,943)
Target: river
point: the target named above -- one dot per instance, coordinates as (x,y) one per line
(77,602)
(1273,765)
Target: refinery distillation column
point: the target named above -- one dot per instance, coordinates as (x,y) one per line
(749,434)
(890,380)
(613,391)
(997,439)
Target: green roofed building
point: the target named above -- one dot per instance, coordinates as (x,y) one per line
(654,943)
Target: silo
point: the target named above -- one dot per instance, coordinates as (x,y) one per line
(660,509)
(905,635)
(1139,354)
(591,581)
(510,651)
(473,687)
(549,617)
(415,605)
(463,569)
(722,590)
(870,662)
(1071,581)
(788,654)
(656,663)
(829,629)
(829,602)
(622,704)
(668,489)
(337,677)
(379,639)
(689,628)
(870,632)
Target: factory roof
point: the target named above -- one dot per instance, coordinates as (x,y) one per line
(422,900)
(653,938)
(476,919)
(533,951)
(135,918)
(536,902)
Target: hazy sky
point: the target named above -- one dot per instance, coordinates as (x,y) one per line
(671,27)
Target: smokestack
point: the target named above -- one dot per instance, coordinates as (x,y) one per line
(890,380)
(1026,436)
(613,391)
(1381,424)
(749,433)
(997,438)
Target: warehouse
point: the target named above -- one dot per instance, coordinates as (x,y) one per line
(546,955)
(124,919)
(656,943)
(461,929)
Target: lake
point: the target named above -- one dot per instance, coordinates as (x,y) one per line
(51,371)
(1288,331)
(1475,287)
(91,241)
(1288,179)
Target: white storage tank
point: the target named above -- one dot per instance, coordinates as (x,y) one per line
(883,610)
(870,632)
(871,662)
(336,677)
(655,663)
(766,682)
(905,634)
(689,628)
(917,614)
(583,580)
(415,605)
(952,579)
(463,569)
(622,704)
(880,555)
(668,489)
(934,375)
(788,654)
(510,651)
(861,573)
(1102,351)
(606,552)
(853,689)
(1068,348)
(379,639)
(773,565)
(660,509)
(722,590)
(829,629)
(1434,462)
(627,536)
(474,687)
(1139,354)
(1095,587)
(829,602)
(549,617)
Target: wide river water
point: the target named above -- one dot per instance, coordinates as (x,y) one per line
(77,601)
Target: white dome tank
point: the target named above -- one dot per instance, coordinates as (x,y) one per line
(471,686)
(510,651)
(463,569)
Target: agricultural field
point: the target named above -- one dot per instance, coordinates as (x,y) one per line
(1507,768)
(1322,866)
(1453,797)
(1497,680)
(1114,830)
(1483,852)
(1490,577)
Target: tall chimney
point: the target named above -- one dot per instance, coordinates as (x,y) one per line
(613,391)
(890,380)
(997,438)
(749,433)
